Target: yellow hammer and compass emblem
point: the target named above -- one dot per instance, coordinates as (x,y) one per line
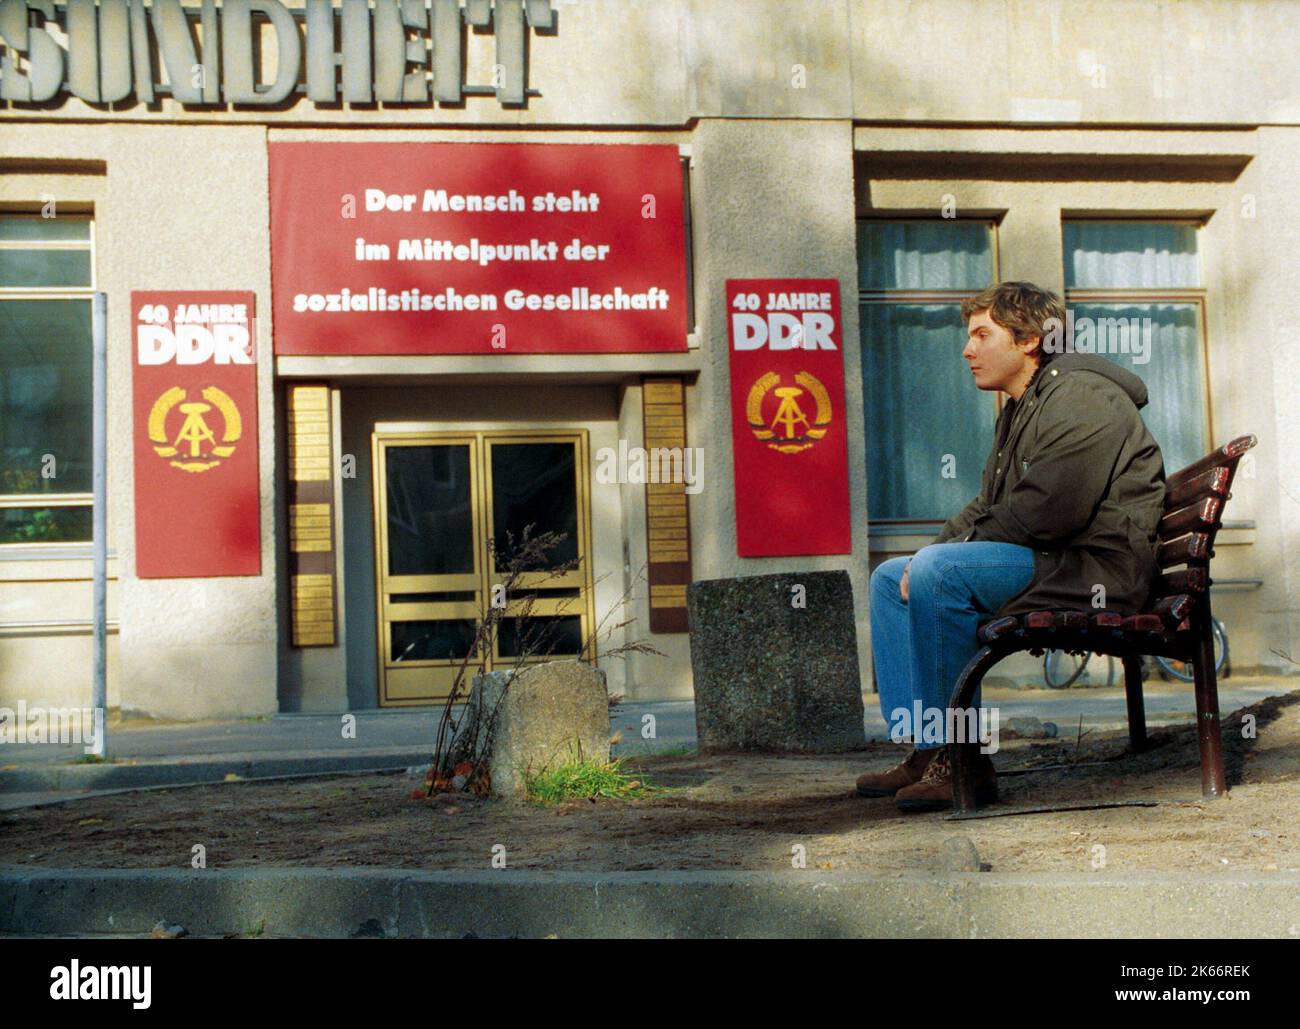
(194,447)
(790,429)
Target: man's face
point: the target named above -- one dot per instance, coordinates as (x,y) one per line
(996,360)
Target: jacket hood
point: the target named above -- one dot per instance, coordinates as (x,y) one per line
(1124,379)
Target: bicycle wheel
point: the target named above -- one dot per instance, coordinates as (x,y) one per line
(1061,669)
(1182,670)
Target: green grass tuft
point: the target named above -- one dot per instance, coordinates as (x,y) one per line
(673,750)
(578,779)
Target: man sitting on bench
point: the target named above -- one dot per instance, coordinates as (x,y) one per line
(1066,518)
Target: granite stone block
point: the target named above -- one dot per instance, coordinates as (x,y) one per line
(775,660)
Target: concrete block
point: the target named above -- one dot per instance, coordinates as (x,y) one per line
(775,659)
(526,721)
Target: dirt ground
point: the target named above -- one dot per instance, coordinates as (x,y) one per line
(727,813)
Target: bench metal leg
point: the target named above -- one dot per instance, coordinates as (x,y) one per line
(961,755)
(1137,716)
(1214,783)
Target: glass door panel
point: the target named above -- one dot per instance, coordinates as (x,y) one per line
(430,510)
(534,482)
(428,557)
(439,499)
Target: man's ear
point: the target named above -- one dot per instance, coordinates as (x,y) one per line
(1030,346)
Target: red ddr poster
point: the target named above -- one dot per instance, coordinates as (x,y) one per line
(788,433)
(476,248)
(194,371)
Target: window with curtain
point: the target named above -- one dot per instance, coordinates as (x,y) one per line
(928,429)
(45,379)
(1138,285)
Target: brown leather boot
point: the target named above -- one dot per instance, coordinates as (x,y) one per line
(909,772)
(934,791)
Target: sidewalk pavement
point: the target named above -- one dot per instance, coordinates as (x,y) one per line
(792,904)
(1100,708)
(148,754)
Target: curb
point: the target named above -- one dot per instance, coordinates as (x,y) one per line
(324,902)
(201,770)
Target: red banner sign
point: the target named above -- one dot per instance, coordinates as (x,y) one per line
(788,431)
(197,503)
(476,248)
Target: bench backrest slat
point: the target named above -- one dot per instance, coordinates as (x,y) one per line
(1195,498)
(1212,483)
(1187,580)
(1204,514)
(1190,548)
(1228,453)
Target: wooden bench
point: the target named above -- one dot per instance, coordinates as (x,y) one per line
(1176,623)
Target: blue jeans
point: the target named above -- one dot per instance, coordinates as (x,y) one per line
(922,644)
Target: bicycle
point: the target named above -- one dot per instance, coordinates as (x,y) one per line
(1182,670)
(1062,669)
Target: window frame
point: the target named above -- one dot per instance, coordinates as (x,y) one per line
(10,501)
(1194,295)
(880,295)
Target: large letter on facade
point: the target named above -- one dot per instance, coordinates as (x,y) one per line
(445,31)
(171,28)
(44,76)
(141,61)
(114,51)
(237,47)
(509,30)
(394,52)
(356,51)
(83,50)
(321,58)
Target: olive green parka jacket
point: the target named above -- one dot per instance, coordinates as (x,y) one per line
(1075,475)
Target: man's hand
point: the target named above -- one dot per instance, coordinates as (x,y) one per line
(902,583)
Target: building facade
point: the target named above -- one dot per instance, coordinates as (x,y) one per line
(1139,158)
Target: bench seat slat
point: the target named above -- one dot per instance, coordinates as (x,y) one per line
(997,628)
(1041,626)
(1173,609)
(1166,612)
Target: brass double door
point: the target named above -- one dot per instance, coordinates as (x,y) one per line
(439,499)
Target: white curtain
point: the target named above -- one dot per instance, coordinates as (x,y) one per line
(1167,357)
(1130,255)
(928,429)
(924,255)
